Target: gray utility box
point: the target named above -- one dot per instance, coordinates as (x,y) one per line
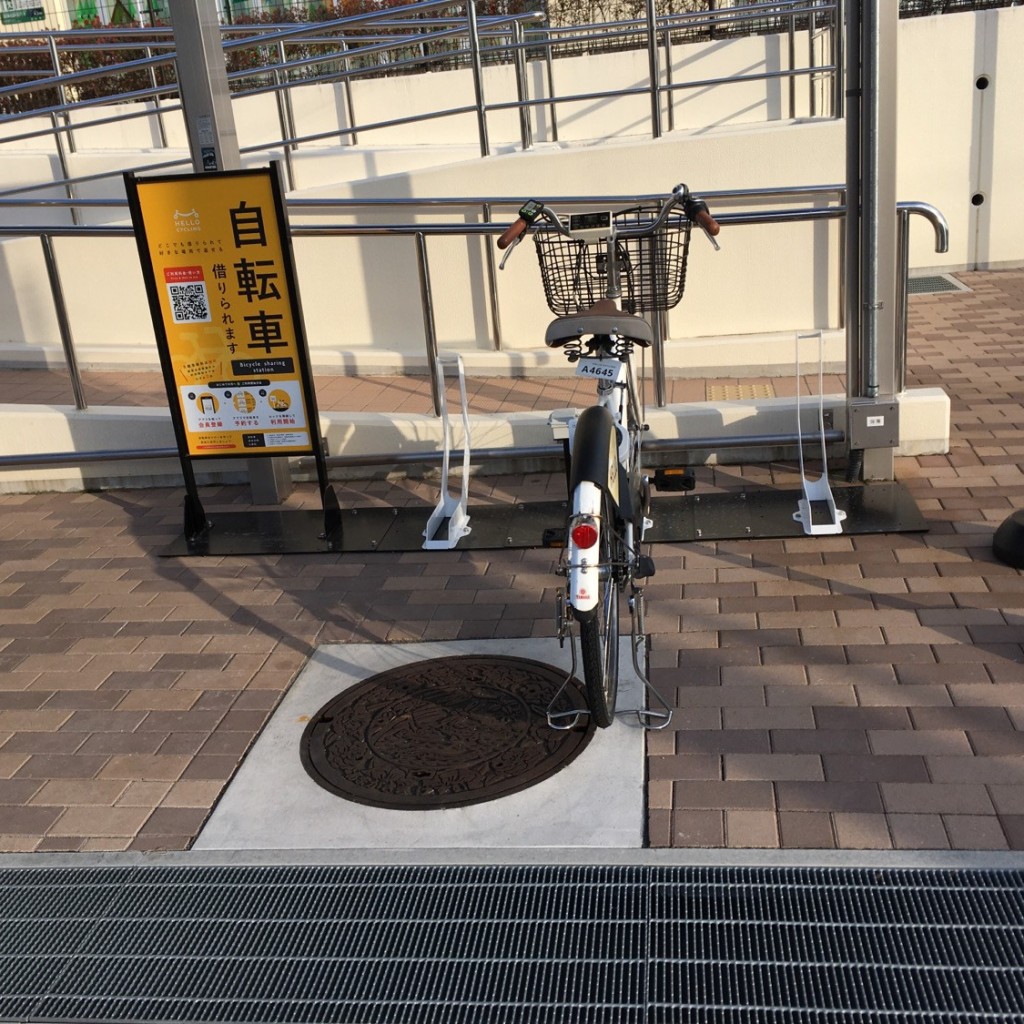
(873,424)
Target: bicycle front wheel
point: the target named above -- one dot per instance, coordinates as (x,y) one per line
(599,632)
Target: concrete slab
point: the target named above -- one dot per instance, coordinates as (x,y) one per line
(597,801)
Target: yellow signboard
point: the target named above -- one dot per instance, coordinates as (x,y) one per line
(220,277)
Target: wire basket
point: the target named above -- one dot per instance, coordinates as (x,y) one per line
(652,268)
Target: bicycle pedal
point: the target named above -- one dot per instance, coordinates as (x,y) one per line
(553,537)
(674,479)
(644,567)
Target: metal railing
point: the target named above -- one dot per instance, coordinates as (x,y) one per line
(408,40)
(831,194)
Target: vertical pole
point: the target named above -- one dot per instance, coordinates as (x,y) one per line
(871,200)
(654,69)
(853,143)
(478,77)
(61,92)
(792,65)
(429,329)
(902,310)
(285,114)
(63,324)
(812,62)
(550,65)
(658,358)
(350,110)
(522,87)
(161,130)
(203,81)
(213,142)
(838,31)
(879,198)
(492,282)
(63,139)
(670,94)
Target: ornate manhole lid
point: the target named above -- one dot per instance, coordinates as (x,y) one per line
(443,733)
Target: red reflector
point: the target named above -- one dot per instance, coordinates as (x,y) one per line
(584,535)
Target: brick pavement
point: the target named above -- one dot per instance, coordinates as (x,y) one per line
(856,692)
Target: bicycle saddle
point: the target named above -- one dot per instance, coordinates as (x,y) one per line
(603,317)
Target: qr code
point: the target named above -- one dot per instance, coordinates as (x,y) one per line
(189,303)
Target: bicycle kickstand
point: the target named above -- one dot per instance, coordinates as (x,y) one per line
(649,718)
(565,720)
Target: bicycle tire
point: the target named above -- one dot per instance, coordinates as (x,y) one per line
(599,631)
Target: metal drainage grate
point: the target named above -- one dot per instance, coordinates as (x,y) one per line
(457,944)
(929,284)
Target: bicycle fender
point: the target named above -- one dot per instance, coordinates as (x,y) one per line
(595,457)
(595,452)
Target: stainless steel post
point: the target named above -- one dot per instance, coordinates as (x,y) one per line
(902,295)
(522,87)
(791,33)
(61,92)
(878,200)
(852,227)
(492,282)
(63,325)
(838,84)
(350,110)
(550,66)
(812,62)
(284,116)
(658,358)
(160,126)
(63,139)
(877,265)
(429,328)
(669,94)
(654,69)
(478,78)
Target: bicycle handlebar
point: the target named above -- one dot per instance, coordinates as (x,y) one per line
(695,208)
(706,221)
(512,232)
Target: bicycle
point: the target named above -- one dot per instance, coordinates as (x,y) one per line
(600,270)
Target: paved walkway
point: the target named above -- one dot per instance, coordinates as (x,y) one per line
(857,692)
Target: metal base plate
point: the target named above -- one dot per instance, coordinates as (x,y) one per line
(871,508)
(262,532)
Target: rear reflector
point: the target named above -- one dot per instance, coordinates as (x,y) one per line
(584,535)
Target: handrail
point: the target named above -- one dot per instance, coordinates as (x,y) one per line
(419,232)
(510,37)
(522,452)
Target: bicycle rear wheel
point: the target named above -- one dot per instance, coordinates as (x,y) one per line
(599,629)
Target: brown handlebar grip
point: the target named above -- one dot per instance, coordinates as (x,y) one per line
(511,233)
(707,222)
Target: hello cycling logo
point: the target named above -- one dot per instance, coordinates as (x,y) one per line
(187,222)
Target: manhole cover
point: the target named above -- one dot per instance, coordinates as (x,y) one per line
(443,733)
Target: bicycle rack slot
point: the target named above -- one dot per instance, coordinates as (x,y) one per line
(816,510)
(449,522)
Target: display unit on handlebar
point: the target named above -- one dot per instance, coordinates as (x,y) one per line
(600,270)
